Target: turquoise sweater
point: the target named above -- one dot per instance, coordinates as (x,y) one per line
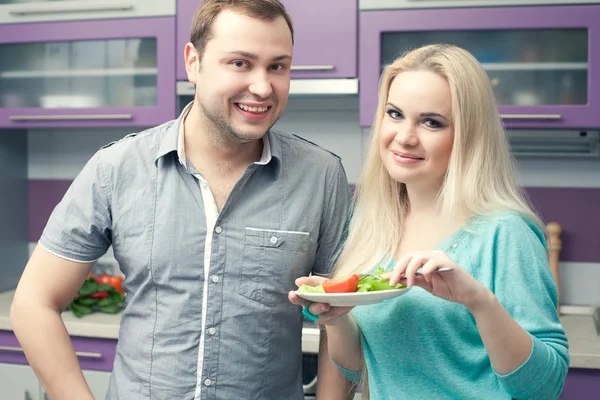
(418,346)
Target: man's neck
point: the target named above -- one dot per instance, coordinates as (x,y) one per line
(203,142)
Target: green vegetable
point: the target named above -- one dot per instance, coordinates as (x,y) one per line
(311,289)
(93,296)
(372,284)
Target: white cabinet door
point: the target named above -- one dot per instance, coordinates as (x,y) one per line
(96,380)
(18,382)
(398,4)
(21,11)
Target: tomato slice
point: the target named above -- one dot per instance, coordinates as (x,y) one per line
(342,284)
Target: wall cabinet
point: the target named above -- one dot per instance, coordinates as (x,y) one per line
(23,11)
(325,37)
(542,61)
(399,4)
(87,73)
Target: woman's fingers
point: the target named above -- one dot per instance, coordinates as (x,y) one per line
(396,275)
(429,268)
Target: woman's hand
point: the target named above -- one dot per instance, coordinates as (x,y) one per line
(457,286)
(328,315)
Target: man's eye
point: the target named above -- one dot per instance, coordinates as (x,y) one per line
(240,63)
(277,67)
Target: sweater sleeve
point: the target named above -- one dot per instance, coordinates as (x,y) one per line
(524,285)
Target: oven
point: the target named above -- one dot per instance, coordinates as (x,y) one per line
(310,360)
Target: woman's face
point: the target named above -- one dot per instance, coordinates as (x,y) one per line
(416,133)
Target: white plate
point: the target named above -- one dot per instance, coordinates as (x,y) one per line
(353,299)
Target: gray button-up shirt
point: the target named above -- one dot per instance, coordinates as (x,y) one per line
(190,330)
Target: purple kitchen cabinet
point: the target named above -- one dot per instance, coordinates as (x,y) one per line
(581,384)
(93,353)
(88,73)
(543,62)
(325,37)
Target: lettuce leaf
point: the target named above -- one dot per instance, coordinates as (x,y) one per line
(311,289)
(372,284)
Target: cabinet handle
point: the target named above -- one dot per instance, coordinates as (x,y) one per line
(530,116)
(312,67)
(27,396)
(69,117)
(81,354)
(71,9)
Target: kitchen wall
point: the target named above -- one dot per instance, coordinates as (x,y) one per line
(567,191)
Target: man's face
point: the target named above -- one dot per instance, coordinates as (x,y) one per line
(243,80)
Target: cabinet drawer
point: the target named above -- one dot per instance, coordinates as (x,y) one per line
(93,354)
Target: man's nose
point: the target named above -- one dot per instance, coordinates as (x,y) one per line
(261,85)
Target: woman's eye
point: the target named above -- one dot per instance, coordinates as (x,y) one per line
(432,123)
(394,114)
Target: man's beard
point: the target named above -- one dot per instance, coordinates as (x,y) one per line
(224,128)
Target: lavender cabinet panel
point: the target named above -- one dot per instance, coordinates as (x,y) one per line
(185,14)
(543,62)
(325,37)
(581,384)
(87,73)
(93,353)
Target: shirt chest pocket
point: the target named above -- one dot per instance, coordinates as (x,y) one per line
(272,260)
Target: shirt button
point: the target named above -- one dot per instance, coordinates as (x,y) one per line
(218,229)
(204,183)
(212,331)
(454,245)
(215,278)
(207,382)
(273,239)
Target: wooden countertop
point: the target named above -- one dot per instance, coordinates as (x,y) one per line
(100,325)
(584,343)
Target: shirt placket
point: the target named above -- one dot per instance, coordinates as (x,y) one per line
(206,376)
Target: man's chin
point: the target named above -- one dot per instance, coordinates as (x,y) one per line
(252,132)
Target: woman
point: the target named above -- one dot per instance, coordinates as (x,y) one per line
(438,190)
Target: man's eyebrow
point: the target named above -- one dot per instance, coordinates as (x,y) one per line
(254,56)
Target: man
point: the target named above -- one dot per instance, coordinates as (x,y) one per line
(211,217)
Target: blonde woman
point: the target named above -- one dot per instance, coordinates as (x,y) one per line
(439,190)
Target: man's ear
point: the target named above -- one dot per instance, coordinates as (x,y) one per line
(192,62)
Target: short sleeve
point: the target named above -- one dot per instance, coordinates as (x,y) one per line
(79,228)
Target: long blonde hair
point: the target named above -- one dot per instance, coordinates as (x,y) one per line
(480,178)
